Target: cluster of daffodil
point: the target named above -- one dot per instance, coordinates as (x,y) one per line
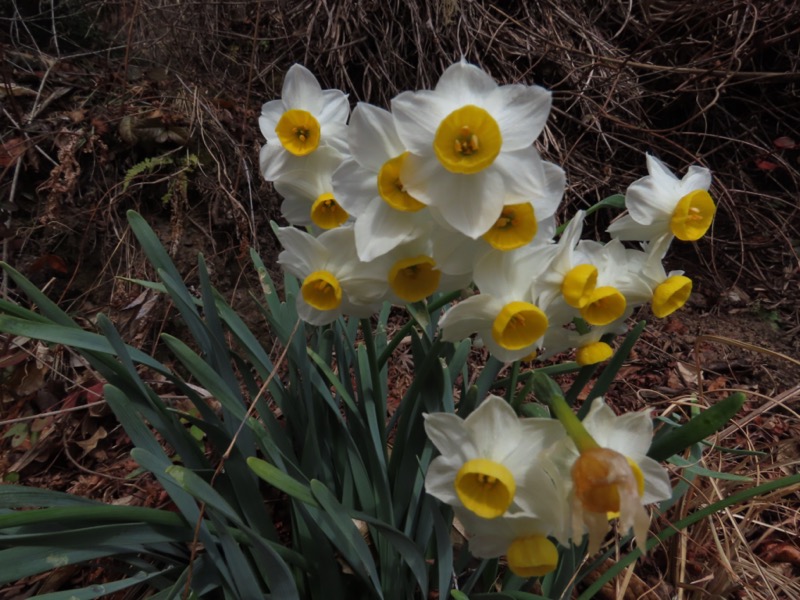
(447,189)
(517,484)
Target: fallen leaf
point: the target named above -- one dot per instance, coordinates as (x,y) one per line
(782,553)
(766,165)
(784,142)
(11,150)
(90,444)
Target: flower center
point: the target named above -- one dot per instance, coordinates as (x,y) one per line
(578,284)
(467,140)
(600,474)
(532,556)
(485,487)
(326,212)
(603,305)
(692,216)
(519,325)
(593,353)
(414,279)
(670,295)
(515,228)
(321,290)
(298,132)
(391,188)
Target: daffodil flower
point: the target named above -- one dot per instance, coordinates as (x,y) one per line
(589,347)
(485,458)
(610,473)
(413,274)
(467,138)
(305,118)
(660,203)
(371,189)
(670,291)
(457,254)
(524,537)
(333,281)
(504,313)
(309,198)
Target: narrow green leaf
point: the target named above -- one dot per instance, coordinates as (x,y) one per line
(346,537)
(120,535)
(407,549)
(48,308)
(515,595)
(72,337)
(103,589)
(700,427)
(20,562)
(284,482)
(152,246)
(703,472)
(20,496)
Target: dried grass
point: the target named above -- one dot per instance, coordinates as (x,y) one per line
(712,83)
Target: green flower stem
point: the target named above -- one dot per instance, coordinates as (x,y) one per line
(548,392)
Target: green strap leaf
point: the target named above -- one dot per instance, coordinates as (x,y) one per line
(284,482)
(699,428)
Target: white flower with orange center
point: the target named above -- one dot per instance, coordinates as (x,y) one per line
(371,189)
(333,282)
(485,458)
(468,139)
(524,536)
(590,349)
(504,313)
(660,203)
(305,118)
(413,274)
(670,291)
(599,281)
(308,194)
(610,473)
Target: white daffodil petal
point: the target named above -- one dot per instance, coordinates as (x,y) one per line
(354,187)
(301,90)
(469,316)
(439,480)
(380,229)
(313,316)
(296,210)
(696,178)
(417,116)
(465,82)
(372,136)
(335,107)
(634,433)
(270,115)
(495,427)
(657,486)
(523,114)
(447,432)
(302,253)
(470,204)
(648,200)
(625,228)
